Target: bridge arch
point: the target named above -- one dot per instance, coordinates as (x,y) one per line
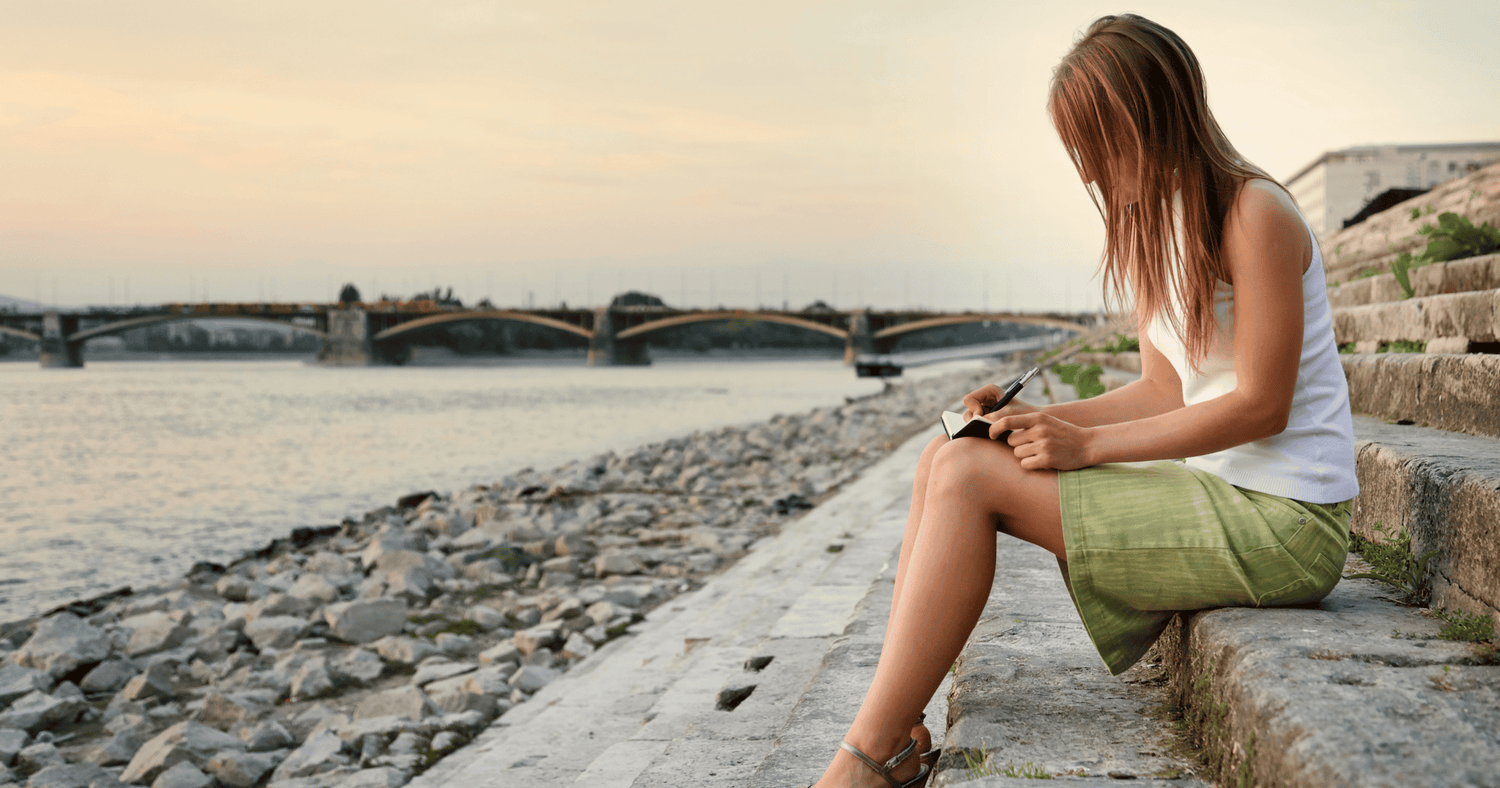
(493,314)
(891,332)
(635,332)
(22,333)
(120,326)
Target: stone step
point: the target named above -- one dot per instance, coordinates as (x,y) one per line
(1455,276)
(1030,692)
(1456,322)
(1444,489)
(1354,693)
(1454,392)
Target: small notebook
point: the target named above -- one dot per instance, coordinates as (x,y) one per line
(977,427)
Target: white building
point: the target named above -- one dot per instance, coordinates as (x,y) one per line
(1339,183)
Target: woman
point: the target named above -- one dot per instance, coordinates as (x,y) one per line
(1239,374)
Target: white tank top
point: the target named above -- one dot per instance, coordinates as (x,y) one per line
(1312,460)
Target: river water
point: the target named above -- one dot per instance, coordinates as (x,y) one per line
(127,472)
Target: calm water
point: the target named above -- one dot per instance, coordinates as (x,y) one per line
(128,472)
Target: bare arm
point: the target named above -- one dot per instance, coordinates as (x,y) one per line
(1158,391)
(1266,249)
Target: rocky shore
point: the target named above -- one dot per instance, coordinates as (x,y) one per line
(360,654)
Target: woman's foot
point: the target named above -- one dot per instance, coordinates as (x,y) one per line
(847,771)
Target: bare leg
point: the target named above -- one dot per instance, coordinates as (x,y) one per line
(944,579)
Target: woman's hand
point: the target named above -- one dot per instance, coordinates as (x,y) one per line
(1045,442)
(979,399)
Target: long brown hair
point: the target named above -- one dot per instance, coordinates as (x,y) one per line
(1129,103)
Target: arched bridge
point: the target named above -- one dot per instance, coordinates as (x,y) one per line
(381,333)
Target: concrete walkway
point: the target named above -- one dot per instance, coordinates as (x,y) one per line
(644,710)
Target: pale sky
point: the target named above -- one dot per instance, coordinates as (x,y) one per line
(867,153)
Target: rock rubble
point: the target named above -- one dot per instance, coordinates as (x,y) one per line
(357,655)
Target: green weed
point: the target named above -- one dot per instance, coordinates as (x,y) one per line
(1347,347)
(1404,346)
(1465,627)
(1392,562)
(1453,237)
(1083,379)
(982,766)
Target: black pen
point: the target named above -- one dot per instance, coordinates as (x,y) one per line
(1013,390)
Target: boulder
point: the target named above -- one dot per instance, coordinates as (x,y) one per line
(279,603)
(490,681)
(238,588)
(389,540)
(36,757)
(538,637)
(486,617)
(531,678)
(266,737)
(186,742)
(16,681)
(414,583)
(453,644)
(357,666)
(407,651)
(62,644)
(153,632)
(156,682)
(314,588)
(119,749)
(276,632)
(616,563)
(329,565)
(183,775)
(312,680)
(71,775)
(437,671)
(505,652)
(244,769)
(39,711)
(320,753)
(577,647)
(224,712)
(109,676)
(12,741)
(365,621)
(409,702)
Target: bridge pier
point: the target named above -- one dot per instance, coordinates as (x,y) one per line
(348,343)
(861,341)
(606,351)
(56,350)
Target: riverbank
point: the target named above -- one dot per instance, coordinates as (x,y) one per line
(362,653)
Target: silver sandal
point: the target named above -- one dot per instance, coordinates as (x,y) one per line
(884,770)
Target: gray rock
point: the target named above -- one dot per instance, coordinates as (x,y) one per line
(314,588)
(357,666)
(538,637)
(39,711)
(16,681)
(413,583)
(318,754)
(616,563)
(531,678)
(224,712)
(491,681)
(190,742)
(12,741)
(62,644)
(266,736)
(365,621)
(119,749)
(276,632)
(244,769)
(237,588)
(453,644)
(429,673)
(486,617)
(505,652)
(278,603)
(391,540)
(407,701)
(312,680)
(604,611)
(182,775)
(71,775)
(153,632)
(329,564)
(36,757)
(407,651)
(577,647)
(109,676)
(378,777)
(156,682)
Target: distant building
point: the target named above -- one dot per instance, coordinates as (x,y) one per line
(1339,183)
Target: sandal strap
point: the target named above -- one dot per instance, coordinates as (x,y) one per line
(884,770)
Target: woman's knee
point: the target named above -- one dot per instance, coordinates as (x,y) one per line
(970,463)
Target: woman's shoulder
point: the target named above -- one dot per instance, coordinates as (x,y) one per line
(1263,215)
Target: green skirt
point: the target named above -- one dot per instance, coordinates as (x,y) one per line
(1148,540)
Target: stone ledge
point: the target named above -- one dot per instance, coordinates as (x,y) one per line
(1443,488)
(1449,392)
(1455,276)
(1129,361)
(1326,698)
(1475,316)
